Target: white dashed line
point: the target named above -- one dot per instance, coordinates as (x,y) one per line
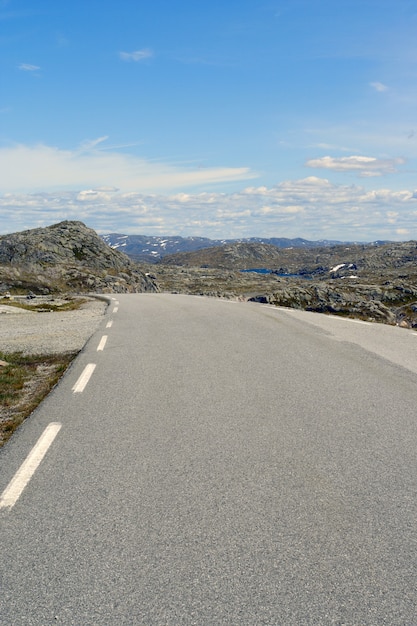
(116,308)
(84,378)
(102,343)
(12,492)
(109,324)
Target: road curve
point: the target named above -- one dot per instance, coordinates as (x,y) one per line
(211,462)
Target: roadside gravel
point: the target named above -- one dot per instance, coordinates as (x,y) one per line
(32,332)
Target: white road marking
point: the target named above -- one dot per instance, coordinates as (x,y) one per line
(117,302)
(279,308)
(84,378)
(102,343)
(15,487)
(349,319)
(109,324)
(332,317)
(116,308)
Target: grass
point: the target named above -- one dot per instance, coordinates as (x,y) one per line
(70,305)
(25,380)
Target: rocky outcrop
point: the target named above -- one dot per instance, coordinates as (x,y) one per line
(67,257)
(390,304)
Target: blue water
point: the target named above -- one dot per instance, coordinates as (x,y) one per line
(264,270)
(258,271)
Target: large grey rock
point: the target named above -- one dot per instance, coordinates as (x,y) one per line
(67,257)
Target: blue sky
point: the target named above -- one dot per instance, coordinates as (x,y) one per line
(220,119)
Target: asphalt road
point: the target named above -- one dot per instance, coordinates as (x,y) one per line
(223,463)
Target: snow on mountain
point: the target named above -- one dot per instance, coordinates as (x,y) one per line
(152,249)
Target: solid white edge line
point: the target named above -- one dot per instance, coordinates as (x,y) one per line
(84,378)
(15,487)
(333,317)
(102,343)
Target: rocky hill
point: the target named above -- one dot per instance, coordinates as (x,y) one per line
(66,257)
(229,256)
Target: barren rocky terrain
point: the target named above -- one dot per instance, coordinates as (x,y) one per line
(376,282)
(373,282)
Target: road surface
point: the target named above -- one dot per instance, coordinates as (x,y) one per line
(211,462)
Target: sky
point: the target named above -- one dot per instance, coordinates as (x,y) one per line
(214,118)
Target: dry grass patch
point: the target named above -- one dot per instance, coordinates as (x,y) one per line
(71,304)
(24,381)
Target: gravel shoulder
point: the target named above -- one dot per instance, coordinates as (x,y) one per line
(55,332)
(38,346)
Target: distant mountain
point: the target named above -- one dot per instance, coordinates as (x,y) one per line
(335,260)
(152,249)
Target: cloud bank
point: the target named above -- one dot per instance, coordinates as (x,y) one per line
(35,168)
(361,165)
(312,207)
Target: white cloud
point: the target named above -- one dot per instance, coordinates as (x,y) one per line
(90,144)
(364,166)
(40,167)
(137,55)
(312,207)
(27,67)
(379,86)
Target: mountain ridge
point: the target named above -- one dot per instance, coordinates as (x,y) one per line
(151,249)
